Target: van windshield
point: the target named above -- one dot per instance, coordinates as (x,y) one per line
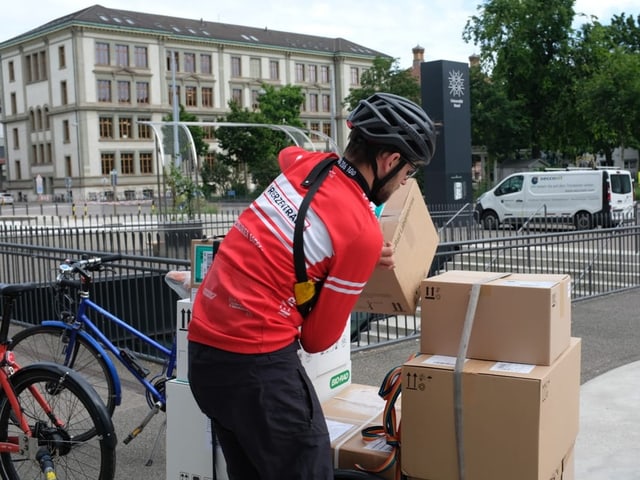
(620,184)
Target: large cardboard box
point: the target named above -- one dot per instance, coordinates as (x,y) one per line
(348,413)
(523,318)
(517,421)
(406,223)
(189,445)
(183,317)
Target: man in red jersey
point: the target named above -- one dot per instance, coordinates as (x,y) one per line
(244,370)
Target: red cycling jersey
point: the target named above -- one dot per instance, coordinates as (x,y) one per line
(246,302)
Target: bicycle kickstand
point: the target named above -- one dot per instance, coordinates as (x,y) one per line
(155,443)
(136,431)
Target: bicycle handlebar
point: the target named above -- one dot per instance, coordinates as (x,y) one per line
(84,266)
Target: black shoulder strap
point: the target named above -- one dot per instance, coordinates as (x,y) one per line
(304,289)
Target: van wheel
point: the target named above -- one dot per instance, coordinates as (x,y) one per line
(582,221)
(490,221)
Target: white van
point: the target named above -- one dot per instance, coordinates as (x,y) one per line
(589,197)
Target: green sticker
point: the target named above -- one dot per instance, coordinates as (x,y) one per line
(339,379)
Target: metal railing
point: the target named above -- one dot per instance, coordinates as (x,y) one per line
(600,261)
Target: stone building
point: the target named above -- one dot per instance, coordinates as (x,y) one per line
(74,91)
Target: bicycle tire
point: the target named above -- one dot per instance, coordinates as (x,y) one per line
(346,474)
(47,343)
(75,455)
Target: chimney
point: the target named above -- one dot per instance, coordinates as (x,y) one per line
(418,58)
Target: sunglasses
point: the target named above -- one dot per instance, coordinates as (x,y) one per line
(414,169)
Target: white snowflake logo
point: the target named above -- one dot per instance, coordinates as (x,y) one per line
(456,83)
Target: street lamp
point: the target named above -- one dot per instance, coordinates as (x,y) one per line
(114,184)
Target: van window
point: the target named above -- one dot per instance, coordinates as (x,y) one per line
(620,184)
(510,185)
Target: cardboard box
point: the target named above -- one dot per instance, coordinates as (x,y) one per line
(518,421)
(347,414)
(523,318)
(406,223)
(183,317)
(189,448)
(329,371)
(336,356)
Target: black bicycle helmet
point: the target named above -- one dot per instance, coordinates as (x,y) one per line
(389,119)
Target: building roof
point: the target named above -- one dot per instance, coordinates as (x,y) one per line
(197,29)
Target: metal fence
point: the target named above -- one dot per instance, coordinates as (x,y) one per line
(600,261)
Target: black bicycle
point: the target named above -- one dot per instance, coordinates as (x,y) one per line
(53,424)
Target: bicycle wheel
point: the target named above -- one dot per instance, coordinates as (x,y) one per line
(48,343)
(75,454)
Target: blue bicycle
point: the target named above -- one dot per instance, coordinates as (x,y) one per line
(76,341)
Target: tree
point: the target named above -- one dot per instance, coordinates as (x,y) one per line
(524,47)
(253,151)
(384,75)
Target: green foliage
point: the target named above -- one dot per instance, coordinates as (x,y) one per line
(254,150)
(184,190)
(384,76)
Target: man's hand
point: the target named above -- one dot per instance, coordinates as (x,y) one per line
(386,257)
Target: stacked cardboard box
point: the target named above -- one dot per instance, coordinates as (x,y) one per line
(510,407)
(348,413)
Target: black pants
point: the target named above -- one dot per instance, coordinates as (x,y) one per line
(264,412)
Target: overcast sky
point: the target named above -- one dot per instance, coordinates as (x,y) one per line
(392,27)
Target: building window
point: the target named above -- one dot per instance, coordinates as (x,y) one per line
(106,128)
(208,132)
(303,105)
(176,61)
(67,166)
(236,67)
(107,163)
(190,62)
(191,96)
(16,139)
(177,87)
(38,119)
(313,73)
(122,55)
(255,97)
(66,137)
(299,72)
(62,60)
(104,90)
(64,99)
(236,96)
(14,104)
(124,91)
(144,130)
(140,57)
(12,73)
(326,129)
(17,172)
(124,124)
(274,70)
(326,102)
(205,63)
(355,76)
(126,163)
(255,67)
(209,159)
(324,74)
(142,92)
(146,162)
(207,97)
(47,125)
(313,102)
(102,53)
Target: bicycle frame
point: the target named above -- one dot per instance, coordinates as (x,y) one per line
(83,326)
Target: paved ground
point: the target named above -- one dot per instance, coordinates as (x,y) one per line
(608,441)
